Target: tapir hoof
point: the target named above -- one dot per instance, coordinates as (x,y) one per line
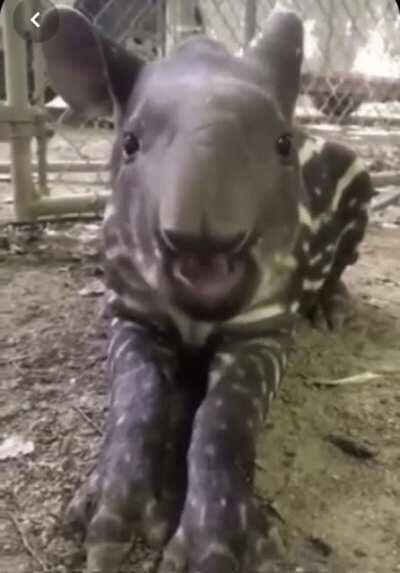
(102,515)
(265,550)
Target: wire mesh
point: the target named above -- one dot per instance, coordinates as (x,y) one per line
(350,84)
(352,51)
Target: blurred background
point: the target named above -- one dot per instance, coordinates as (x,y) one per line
(57,163)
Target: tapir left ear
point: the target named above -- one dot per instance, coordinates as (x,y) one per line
(91,73)
(278,51)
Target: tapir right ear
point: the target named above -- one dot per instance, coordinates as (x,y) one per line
(278,51)
(91,73)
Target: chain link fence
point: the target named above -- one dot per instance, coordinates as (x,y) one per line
(350,84)
(352,50)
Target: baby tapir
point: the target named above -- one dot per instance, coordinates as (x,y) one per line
(225,223)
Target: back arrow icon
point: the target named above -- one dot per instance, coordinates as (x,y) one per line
(34,20)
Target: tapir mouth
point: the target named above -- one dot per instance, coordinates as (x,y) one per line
(209,287)
(209,278)
(206,279)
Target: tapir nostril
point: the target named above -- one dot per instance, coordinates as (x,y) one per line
(179,241)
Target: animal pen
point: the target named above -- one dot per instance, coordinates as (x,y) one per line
(350,90)
(327,462)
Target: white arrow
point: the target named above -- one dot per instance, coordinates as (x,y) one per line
(34,20)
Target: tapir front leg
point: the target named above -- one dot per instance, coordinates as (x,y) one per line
(147,420)
(219,530)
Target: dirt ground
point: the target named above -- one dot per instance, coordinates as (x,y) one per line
(329,458)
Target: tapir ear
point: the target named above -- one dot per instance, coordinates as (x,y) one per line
(91,73)
(278,50)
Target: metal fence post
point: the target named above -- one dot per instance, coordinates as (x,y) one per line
(250,20)
(16,68)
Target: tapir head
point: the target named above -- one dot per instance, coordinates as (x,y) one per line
(204,167)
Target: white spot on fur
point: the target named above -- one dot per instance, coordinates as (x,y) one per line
(115,252)
(210,451)
(223,502)
(150,508)
(286,261)
(316,259)
(121,420)
(202,517)
(226,359)
(243,515)
(355,168)
(312,285)
(258,314)
(213,379)
(194,502)
(111,296)
(147,385)
(294,307)
(326,269)
(139,257)
(121,349)
(310,148)
(109,212)
(305,216)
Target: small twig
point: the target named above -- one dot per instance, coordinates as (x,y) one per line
(350,446)
(88,420)
(43,565)
(356,379)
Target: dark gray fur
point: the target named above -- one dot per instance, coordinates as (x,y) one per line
(195,361)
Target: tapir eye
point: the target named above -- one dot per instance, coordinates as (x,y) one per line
(130,144)
(284,144)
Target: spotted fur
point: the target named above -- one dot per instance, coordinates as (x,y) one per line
(189,395)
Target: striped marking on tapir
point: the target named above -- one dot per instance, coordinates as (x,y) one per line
(259,314)
(109,212)
(313,285)
(310,148)
(115,252)
(315,223)
(222,361)
(356,167)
